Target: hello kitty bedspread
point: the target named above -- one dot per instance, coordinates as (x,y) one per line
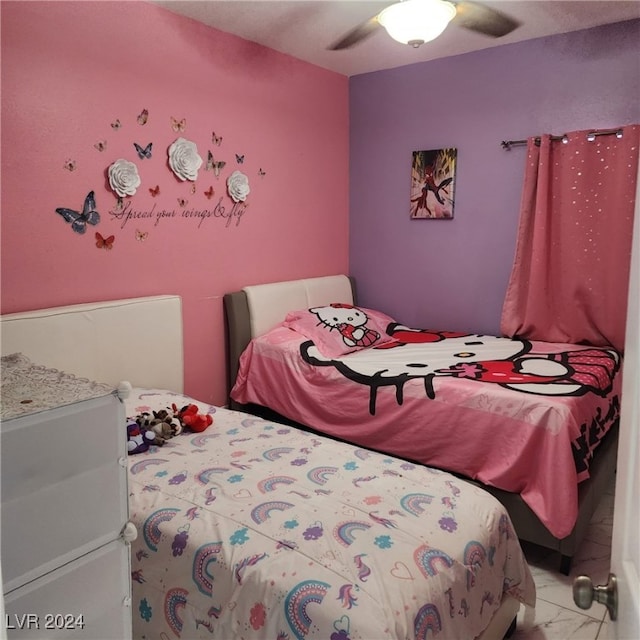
(522,416)
(252,529)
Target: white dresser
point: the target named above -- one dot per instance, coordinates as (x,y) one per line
(65,562)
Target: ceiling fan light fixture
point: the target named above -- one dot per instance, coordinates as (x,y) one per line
(415,22)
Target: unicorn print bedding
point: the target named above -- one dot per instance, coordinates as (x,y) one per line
(518,415)
(254,529)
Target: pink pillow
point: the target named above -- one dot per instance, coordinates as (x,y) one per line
(338,329)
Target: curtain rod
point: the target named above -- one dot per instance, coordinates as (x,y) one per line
(591,136)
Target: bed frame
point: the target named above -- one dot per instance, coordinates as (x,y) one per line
(139,340)
(256,309)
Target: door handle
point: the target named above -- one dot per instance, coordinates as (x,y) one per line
(584,593)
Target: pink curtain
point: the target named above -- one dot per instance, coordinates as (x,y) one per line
(571,270)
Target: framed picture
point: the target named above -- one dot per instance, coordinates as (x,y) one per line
(433,181)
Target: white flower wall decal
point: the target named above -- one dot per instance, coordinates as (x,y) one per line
(184,159)
(124,178)
(238,186)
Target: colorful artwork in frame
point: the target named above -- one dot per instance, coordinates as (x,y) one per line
(433,184)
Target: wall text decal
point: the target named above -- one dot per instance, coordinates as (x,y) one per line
(128,213)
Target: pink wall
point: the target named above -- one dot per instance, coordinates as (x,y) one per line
(71,69)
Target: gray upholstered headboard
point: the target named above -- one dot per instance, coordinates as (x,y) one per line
(136,339)
(256,309)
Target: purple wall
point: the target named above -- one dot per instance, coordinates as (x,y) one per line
(452,274)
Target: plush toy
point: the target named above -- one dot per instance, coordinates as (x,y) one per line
(161,424)
(138,439)
(165,425)
(190,418)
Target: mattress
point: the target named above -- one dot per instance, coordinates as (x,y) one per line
(254,529)
(523,416)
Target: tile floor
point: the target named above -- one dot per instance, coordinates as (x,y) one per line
(556,615)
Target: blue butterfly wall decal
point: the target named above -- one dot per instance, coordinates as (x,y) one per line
(79,220)
(143,153)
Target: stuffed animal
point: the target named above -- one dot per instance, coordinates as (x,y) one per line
(138,439)
(161,424)
(146,423)
(165,425)
(190,418)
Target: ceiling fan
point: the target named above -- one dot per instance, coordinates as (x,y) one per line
(415,22)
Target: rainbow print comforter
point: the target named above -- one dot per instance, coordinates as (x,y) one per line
(253,529)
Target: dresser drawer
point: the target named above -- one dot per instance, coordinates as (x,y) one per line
(63,485)
(88,599)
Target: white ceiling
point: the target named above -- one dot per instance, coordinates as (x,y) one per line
(305,28)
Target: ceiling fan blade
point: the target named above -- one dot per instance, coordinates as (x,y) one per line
(356,35)
(480,18)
